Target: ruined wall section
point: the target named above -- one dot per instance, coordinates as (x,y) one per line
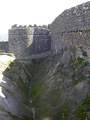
(72,27)
(4,46)
(29,42)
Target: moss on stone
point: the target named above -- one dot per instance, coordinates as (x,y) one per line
(83,109)
(78,65)
(37,90)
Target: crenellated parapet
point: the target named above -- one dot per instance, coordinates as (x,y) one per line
(33,30)
(15,26)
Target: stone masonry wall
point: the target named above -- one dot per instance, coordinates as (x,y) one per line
(29,41)
(72,27)
(4,47)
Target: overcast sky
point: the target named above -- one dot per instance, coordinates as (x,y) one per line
(31,11)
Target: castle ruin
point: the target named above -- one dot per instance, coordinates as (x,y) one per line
(30,41)
(71,28)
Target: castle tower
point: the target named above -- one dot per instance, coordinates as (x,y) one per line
(29,42)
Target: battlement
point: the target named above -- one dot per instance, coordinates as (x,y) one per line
(32,30)
(15,26)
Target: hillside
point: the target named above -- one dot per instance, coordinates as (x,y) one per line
(46,89)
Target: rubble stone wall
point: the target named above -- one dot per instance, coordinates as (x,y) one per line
(71,27)
(28,41)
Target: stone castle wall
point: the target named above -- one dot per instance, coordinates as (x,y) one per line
(72,27)
(29,41)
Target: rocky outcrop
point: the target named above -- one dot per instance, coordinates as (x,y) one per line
(15,98)
(53,88)
(60,91)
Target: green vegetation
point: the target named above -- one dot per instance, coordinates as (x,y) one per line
(83,109)
(37,91)
(78,65)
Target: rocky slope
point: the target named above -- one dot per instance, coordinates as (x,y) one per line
(54,88)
